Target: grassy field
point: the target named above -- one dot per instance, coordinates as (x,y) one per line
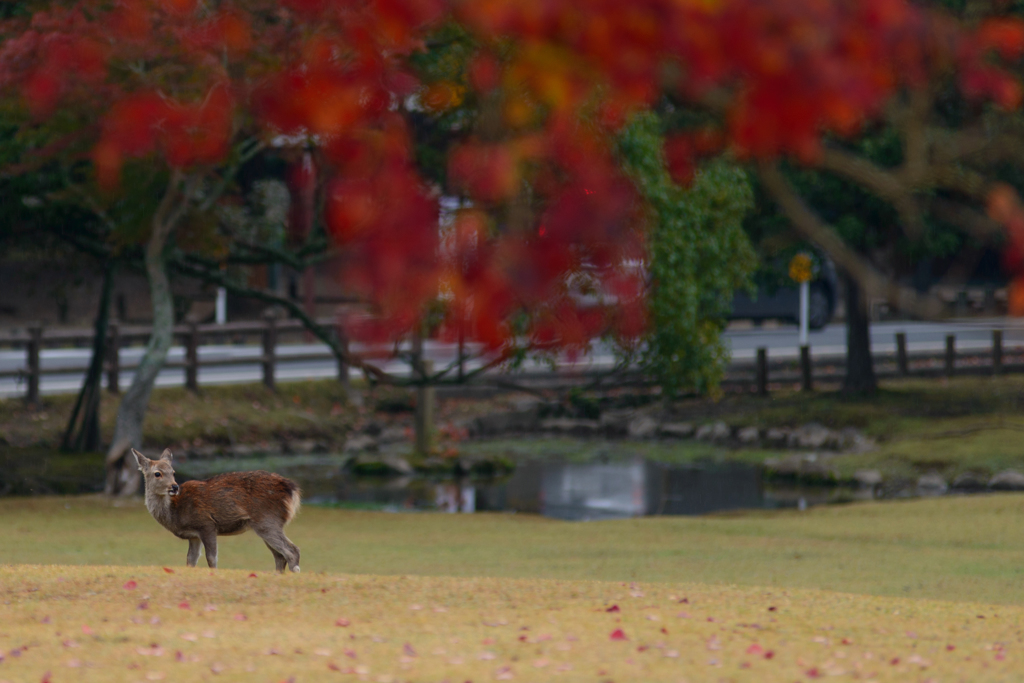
(248,413)
(144,624)
(952,548)
(915,590)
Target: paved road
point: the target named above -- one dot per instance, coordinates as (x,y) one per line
(781,343)
(973,334)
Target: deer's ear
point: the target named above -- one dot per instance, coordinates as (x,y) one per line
(166,455)
(142,460)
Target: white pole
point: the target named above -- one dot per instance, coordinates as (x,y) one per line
(221,314)
(805,295)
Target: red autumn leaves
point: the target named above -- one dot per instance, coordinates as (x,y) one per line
(588,229)
(170,79)
(184,134)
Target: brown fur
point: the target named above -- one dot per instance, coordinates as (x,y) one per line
(224,505)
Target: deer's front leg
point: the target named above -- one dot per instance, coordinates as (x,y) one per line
(193,552)
(209,539)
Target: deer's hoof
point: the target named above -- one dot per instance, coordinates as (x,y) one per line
(295,569)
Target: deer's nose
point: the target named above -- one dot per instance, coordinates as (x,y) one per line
(174,489)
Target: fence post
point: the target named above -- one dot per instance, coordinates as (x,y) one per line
(114,360)
(269,346)
(806,372)
(342,362)
(35,342)
(950,354)
(901,354)
(762,371)
(997,352)
(192,358)
(426,400)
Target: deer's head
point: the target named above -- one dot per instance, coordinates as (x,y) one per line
(158,473)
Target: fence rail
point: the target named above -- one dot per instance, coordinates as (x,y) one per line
(758,374)
(269,330)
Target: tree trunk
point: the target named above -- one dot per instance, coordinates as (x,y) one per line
(860,370)
(88,404)
(425,400)
(122,473)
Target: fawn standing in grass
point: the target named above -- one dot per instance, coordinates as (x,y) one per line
(224,505)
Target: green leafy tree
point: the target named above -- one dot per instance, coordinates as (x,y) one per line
(698,254)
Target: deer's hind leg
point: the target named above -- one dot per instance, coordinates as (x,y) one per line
(273,535)
(279,560)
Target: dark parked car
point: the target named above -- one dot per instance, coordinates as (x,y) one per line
(783,302)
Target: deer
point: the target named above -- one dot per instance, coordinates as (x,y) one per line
(224,505)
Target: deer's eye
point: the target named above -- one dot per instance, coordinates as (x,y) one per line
(157,475)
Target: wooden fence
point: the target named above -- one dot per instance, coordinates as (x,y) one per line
(269,331)
(757,375)
(761,373)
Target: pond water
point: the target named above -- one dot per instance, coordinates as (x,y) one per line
(571,491)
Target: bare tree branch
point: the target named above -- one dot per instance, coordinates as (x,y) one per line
(246,150)
(958,178)
(38,158)
(810,225)
(974,222)
(216,276)
(885,184)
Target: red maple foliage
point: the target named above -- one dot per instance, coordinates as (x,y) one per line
(549,214)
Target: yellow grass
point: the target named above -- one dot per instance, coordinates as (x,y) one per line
(142,624)
(432,597)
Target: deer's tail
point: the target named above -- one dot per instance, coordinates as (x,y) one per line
(292,501)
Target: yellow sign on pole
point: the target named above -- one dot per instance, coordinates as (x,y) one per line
(801,268)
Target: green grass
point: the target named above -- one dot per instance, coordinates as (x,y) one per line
(37,470)
(945,426)
(96,591)
(952,548)
(887,411)
(247,413)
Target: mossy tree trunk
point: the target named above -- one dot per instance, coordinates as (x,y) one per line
(122,474)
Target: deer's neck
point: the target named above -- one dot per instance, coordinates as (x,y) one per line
(159,506)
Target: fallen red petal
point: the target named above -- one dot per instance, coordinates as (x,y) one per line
(617,634)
